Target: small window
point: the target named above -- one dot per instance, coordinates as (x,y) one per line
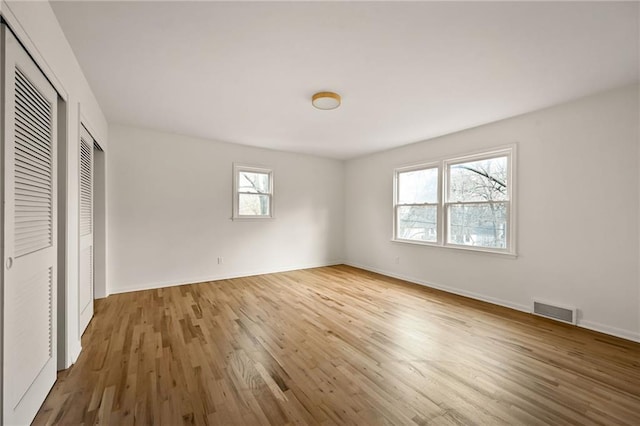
(417,204)
(252,192)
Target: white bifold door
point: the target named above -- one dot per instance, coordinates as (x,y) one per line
(86,229)
(29,241)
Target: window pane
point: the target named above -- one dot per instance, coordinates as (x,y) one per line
(253,182)
(253,205)
(417,223)
(418,186)
(483,180)
(479,225)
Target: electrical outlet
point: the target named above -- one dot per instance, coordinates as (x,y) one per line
(220,260)
(397,260)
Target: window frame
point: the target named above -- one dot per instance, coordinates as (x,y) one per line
(442,216)
(239,168)
(397,205)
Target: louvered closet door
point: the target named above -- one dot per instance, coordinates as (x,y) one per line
(29,245)
(86,229)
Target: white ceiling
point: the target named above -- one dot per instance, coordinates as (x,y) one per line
(245,72)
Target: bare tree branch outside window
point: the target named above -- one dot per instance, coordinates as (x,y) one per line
(478,199)
(254,193)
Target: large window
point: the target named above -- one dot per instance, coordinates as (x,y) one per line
(463,202)
(252,192)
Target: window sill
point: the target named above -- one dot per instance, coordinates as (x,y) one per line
(251,218)
(478,250)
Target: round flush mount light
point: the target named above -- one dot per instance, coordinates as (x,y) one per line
(326,100)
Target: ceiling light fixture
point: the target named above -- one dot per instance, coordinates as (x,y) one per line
(326,100)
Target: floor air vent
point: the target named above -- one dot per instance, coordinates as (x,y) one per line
(558,313)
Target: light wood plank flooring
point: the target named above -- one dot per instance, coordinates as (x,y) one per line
(337,345)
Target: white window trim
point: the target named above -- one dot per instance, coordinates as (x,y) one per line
(443,172)
(237,168)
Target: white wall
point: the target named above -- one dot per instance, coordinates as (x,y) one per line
(578,213)
(170,208)
(37,28)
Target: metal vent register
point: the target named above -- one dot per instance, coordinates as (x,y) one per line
(558,313)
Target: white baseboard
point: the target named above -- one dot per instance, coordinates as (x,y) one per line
(590,325)
(195,280)
(448,289)
(613,331)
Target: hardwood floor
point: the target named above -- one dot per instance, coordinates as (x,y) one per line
(337,345)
